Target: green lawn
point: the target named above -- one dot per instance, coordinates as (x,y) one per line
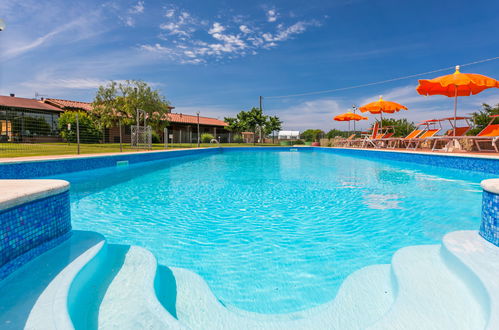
(46,149)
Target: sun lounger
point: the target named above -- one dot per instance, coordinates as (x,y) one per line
(392,143)
(346,142)
(489,135)
(447,139)
(368,140)
(414,143)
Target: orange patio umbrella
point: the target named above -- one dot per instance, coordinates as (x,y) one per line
(456,84)
(349,116)
(381,106)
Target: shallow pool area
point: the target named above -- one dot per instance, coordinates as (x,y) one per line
(274,231)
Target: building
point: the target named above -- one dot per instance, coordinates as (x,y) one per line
(182,128)
(28,120)
(31,120)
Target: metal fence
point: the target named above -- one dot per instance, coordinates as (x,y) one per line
(38,134)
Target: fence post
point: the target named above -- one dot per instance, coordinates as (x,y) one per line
(165,132)
(121,138)
(78,133)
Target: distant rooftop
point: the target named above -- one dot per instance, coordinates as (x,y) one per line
(21,102)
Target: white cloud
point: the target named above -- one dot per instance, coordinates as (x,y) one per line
(18,47)
(216,28)
(169,13)
(272,15)
(309,114)
(244,29)
(193,40)
(138,8)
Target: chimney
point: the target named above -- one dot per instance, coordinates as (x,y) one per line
(12,95)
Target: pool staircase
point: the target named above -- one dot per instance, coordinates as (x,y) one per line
(86,283)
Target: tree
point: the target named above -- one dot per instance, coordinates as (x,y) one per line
(89,131)
(117,103)
(481,118)
(401,127)
(251,120)
(312,135)
(336,132)
(272,124)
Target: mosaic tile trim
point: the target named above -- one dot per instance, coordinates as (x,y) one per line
(489,229)
(36,169)
(485,165)
(28,226)
(27,170)
(18,262)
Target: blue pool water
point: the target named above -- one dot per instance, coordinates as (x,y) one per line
(275,232)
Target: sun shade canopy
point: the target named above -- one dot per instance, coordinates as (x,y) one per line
(465,84)
(349,116)
(381,106)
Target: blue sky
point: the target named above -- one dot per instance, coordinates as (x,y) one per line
(217,57)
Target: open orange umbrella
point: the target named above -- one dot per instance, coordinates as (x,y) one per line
(349,116)
(456,84)
(381,106)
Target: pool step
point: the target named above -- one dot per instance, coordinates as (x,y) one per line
(84,283)
(363,297)
(39,294)
(131,301)
(477,262)
(429,294)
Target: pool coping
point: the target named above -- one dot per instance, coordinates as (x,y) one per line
(16,192)
(432,153)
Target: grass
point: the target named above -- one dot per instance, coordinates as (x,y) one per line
(47,149)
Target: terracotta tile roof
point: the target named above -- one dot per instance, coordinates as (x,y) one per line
(68,104)
(21,102)
(189,119)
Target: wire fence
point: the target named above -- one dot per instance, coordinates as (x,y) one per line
(31,133)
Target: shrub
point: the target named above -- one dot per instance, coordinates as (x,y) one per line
(155,138)
(237,138)
(206,137)
(89,132)
(298,142)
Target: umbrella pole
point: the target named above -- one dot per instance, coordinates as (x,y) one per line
(455,112)
(349,127)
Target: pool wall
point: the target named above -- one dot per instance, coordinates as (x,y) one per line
(461,162)
(31,222)
(43,168)
(489,228)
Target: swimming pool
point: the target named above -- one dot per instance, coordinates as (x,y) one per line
(275,231)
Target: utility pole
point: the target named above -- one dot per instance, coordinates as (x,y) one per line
(354,107)
(261,110)
(198,129)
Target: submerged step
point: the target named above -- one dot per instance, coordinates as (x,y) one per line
(362,299)
(36,295)
(429,294)
(131,300)
(480,267)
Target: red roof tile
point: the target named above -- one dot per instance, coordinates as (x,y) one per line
(172,117)
(189,119)
(21,102)
(67,104)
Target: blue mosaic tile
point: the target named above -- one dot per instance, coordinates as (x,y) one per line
(485,165)
(489,229)
(27,170)
(28,226)
(36,169)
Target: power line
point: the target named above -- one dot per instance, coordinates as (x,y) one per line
(379,82)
